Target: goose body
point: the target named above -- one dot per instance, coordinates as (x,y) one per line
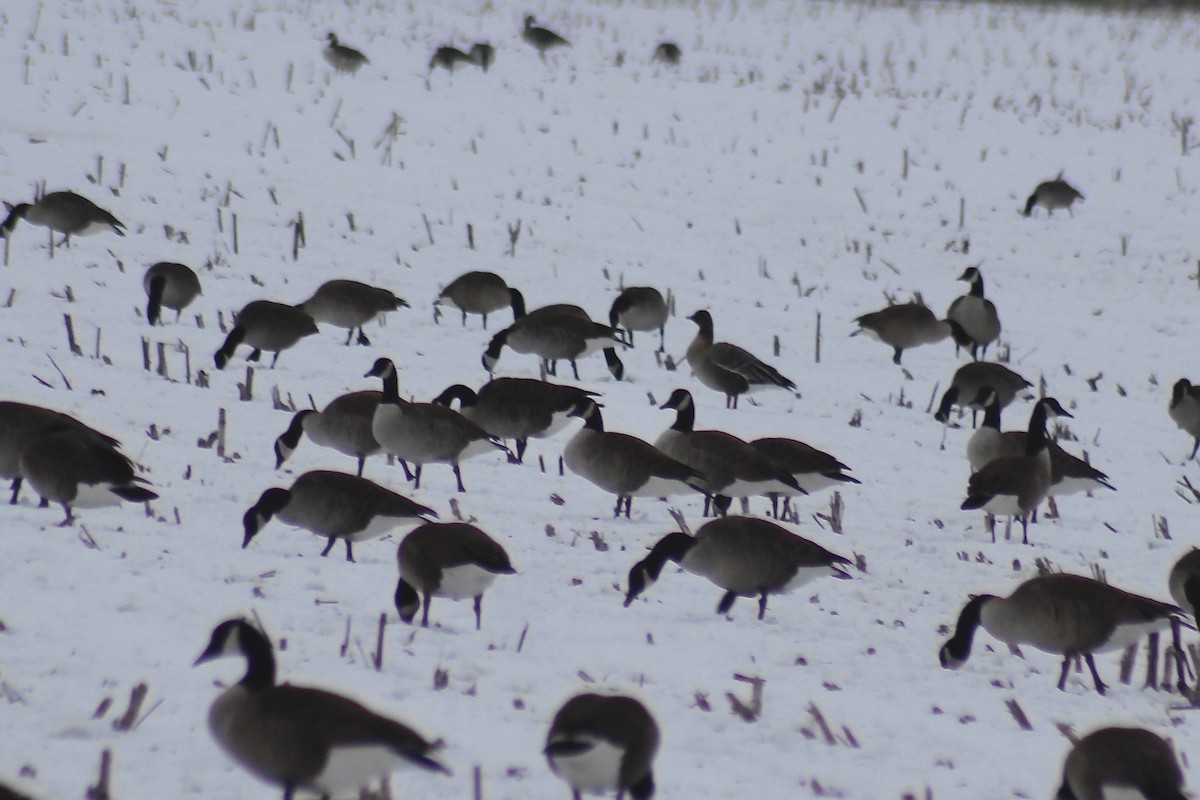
(1184,410)
(482,55)
(668,53)
(640,308)
(337,507)
(476,293)
(299,738)
(727,368)
(904,326)
(22,423)
(452,560)
(76,469)
(62,212)
(811,468)
(552,336)
(1066,615)
(975,314)
(745,556)
(265,325)
(169,285)
(342,58)
(1052,195)
(425,433)
(970,379)
(350,305)
(1115,763)
(604,743)
(344,425)
(622,464)
(541,39)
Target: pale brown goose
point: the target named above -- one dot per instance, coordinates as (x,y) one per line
(476,292)
(727,368)
(62,212)
(1052,195)
(350,305)
(604,743)
(745,556)
(302,739)
(265,325)
(1184,410)
(640,308)
(970,379)
(169,285)
(21,423)
(541,39)
(1121,762)
(447,559)
(342,58)
(343,425)
(907,325)
(1066,615)
(975,314)
(813,469)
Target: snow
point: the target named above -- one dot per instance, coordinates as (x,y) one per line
(763,178)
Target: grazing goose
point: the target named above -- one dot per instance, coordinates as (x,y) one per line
(906,325)
(482,54)
(1121,762)
(622,464)
(343,58)
(516,408)
(583,324)
(76,469)
(350,305)
(726,367)
(1014,486)
(344,425)
(476,293)
(1052,195)
(425,433)
(20,424)
(1066,615)
(552,336)
(813,469)
(336,506)
(604,743)
(62,212)
(448,57)
(266,325)
(172,285)
(975,314)
(668,53)
(540,38)
(730,466)
(745,556)
(640,308)
(447,559)
(1185,410)
(299,738)
(970,379)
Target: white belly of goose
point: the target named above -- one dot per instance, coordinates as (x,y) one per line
(661,487)
(558,421)
(1074,486)
(95,495)
(464,582)
(754,488)
(382,526)
(1004,505)
(597,769)
(595,345)
(350,768)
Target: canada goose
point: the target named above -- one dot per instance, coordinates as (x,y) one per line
(1014,486)
(1051,195)
(300,738)
(337,506)
(20,424)
(726,367)
(62,212)
(1185,410)
(169,284)
(476,293)
(604,743)
(906,325)
(1121,762)
(482,54)
(813,469)
(350,305)
(640,308)
(731,467)
(266,325)
(516,408)
(667,53)
(447,559)
(540,38)
(975,314)
(622,464)
(745,556)
(78,470)
(553,336)
(540,327)
(343,58)
(425,433)
(448,57)
(343,425)
(1066,615)
(1184,585)
(970,378)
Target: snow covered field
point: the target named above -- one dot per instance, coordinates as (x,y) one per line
(804,161)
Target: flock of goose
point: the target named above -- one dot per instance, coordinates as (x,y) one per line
(304,739)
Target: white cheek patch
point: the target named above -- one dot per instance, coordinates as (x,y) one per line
(596,769)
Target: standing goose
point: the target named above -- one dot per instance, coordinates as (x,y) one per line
(541,38)
(1066,615)
(265,325)
(21,423)
(813,469)
(450,57)
(745,556)
(1016,485)
(975,314)
(640,308)
(350,305)
(622,464)
(447,559)
(604,743)
(336,506)
(62,212)
(1185,410)
(516,408)
(1052,195)
(726,367)
(476,293)
(731,467)
(553,336)
(342,58)
(344,425)
(425,433)
(970,379)
(907,325)
(168,284)
(668,53)
(1121,762)
(299,738)
(76,469)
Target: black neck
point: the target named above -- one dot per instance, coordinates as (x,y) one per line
(976,286)
(685,416)
(391,387)
(594,421)
(959,645)
(1036,439)
(260,661)
(291,437)
(991,414)
(463,394)
(517,300)
(706,326)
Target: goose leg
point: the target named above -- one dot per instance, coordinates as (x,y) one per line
(774,505)
(416,476)
(1180,657)
(478,611)
(521,445)
(425,610)
(362,338)
(707,505)
(458,478)
(70,518)
(349,551)
(1066,667)
(408,476)
(275,360)
(574,369)
(1091,662)
(51,242)
(726,602)
(362,460)
(349,336)
(255,355)
(896,355)
(762,604)
(1024,530)
(1195,447)
(662,339)
(329,546)
(16,490)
